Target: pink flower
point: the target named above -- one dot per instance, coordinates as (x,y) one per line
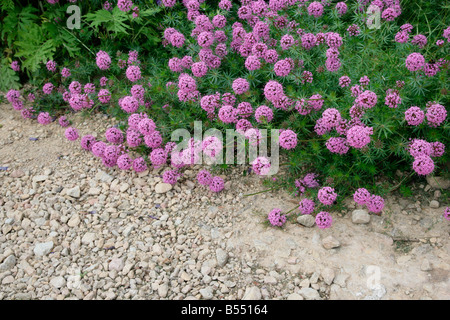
(436,114)
(217,184)
(327,196)
(423,165)
(263,114)
(324,220)
(362,196)
(306,206)
(240,86)
(414,116)
(358,136)
(375,204)
(288,139)
(276,218)
(71,134)
(415,62)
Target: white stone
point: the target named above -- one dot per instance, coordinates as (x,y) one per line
(222,257)
(42,249)
(74,192)
(310,294)
(306,220)
(58,282)
(360,216)
(252,293)
(163,187)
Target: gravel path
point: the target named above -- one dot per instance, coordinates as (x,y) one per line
(72,229)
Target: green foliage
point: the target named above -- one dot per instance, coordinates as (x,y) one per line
(9,78)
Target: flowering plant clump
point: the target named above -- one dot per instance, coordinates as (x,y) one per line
(353,103)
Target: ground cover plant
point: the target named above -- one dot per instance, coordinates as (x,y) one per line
(357,89)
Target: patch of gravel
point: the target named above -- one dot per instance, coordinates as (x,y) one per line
(72,229)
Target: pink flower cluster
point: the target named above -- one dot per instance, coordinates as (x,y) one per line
(276,218)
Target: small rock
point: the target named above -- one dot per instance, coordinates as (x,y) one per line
(222,257)
(294,296)
(74,192)
(434,204)
(330,242)
(17,174)
(40,178)
(8,280)
(163,289)
(124,187)
(426,266)
(310,294)
(306,220)
(207,293)
(252,293)
(360,216)
(88,238)
(341,279)
(116,264)
(94,191)
(438,182)
(74,221)
(58,282)
(163,187)
(8,263)
(328,275)
(42,249)
(104,177)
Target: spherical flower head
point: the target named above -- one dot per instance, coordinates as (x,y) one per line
(71,134)
(63,122)
(331,117)
(129,104)
(282,68)
(98,149)
(253,135)
(367,99)
(341,8)
(51,66)
(212,146)
(133,73)
(225,5)
(375,204)
(48,88)
(104,96)
(261,166)
(273,91)
(423,165)
(44,118)
(315,102)
(177,39)
(334,40)
(13,96)
(306,206)
(245,109)
(103,60)
(240,86)
(288,139)
(124,162)
(315,9)
(65,73)
(75,87)
(447,213)
(154,140)
(358,136)
(420,147)
(199,69)
(270,55)
(337,145)
(402,37)
(324,220)
(125,5)
(204,177)
(353,30)
(407,27)
(217,184)
(362,196)
(419,40)
(139,165)
(158,157)
(135,119)
(133,138)
(146,126)
(276,218)
(114,135)
(327,195)
(392,100)
(438,149)
(27,113)
(414,116)
(308,41)
(169,3)
(415,62)
(263,114)
(436,115)
(219,21)
(186,83)
(287,41)
(252,63)
(228,114)
(87,142)
(138,91)
(170,176)
(175,64)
